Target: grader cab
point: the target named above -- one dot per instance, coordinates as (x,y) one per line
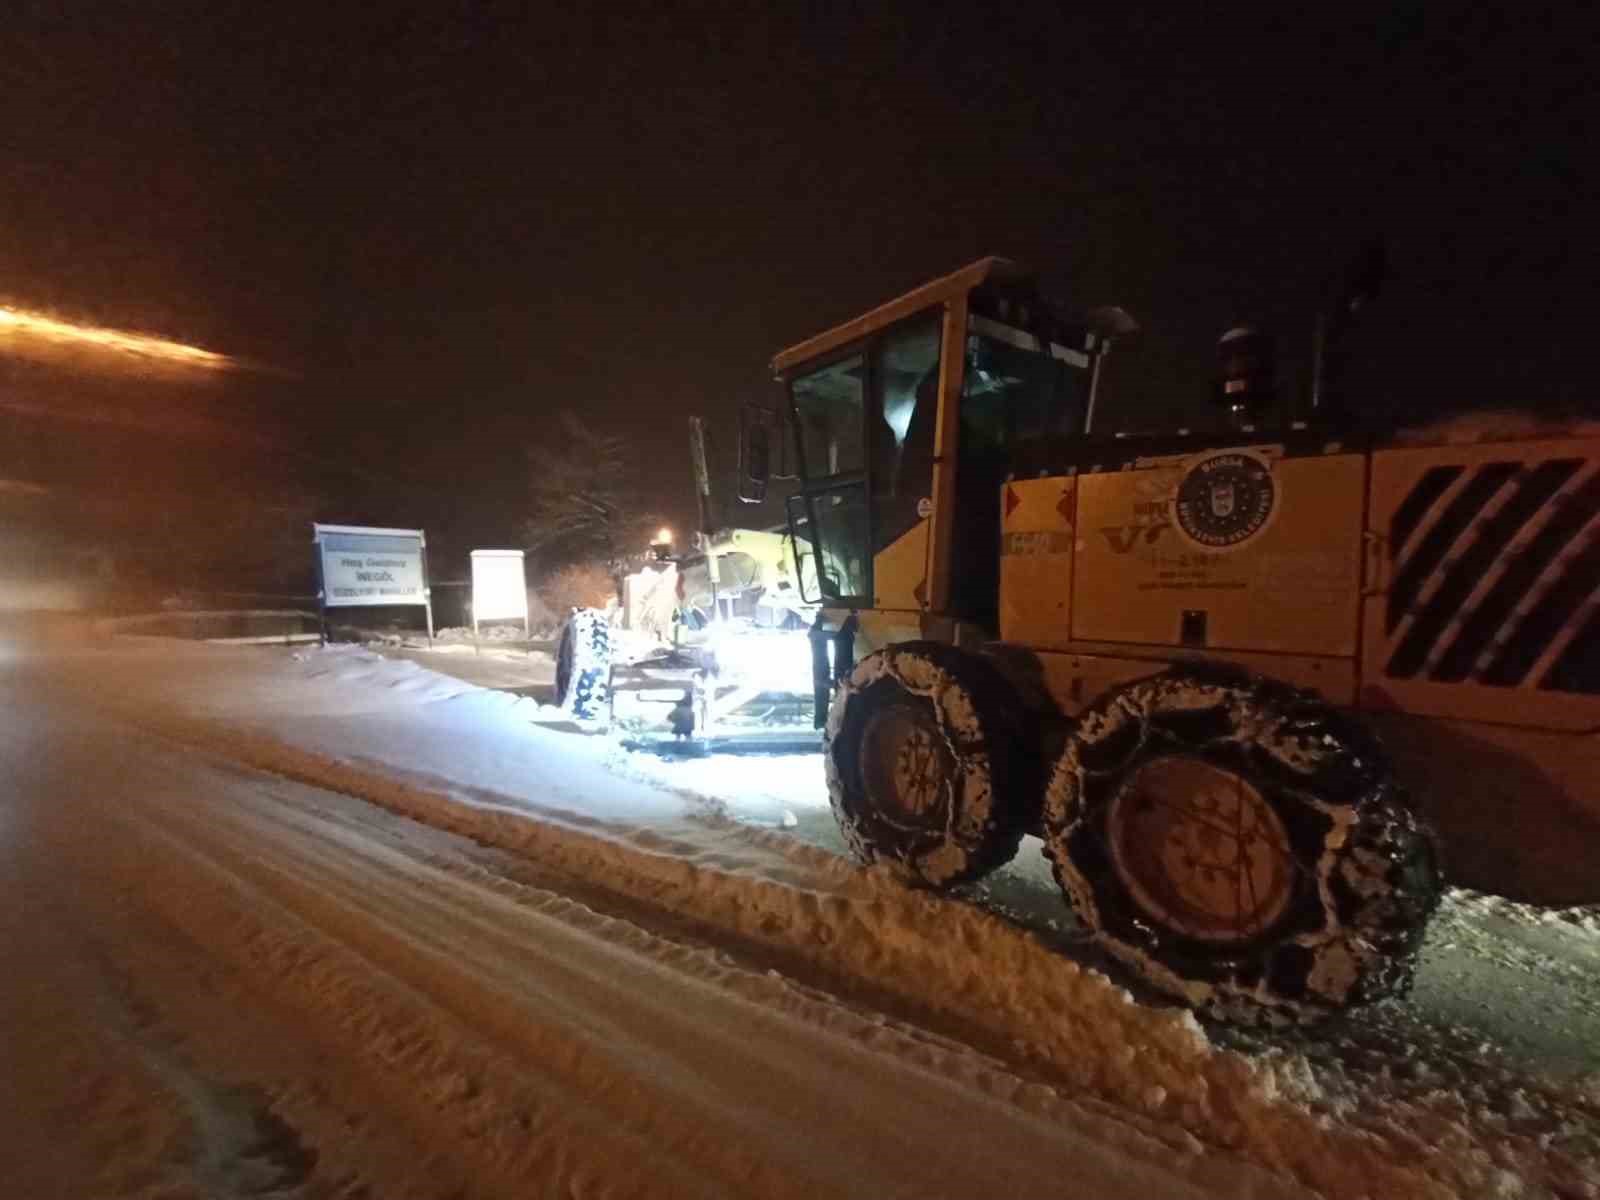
(1233,680)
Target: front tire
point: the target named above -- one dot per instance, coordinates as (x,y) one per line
(924,764)
(1241,845)
(583,665)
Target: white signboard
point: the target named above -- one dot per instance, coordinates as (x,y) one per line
(499,587)
(363,566)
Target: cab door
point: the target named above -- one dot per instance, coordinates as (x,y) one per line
(865,422)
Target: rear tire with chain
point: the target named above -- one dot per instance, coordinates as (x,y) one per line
(1240,844)
(926,773)
(583,665)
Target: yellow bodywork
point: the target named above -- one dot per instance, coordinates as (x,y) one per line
(772,555)
(1292,589)
(1038,525)
(1097,568)
(900,571)
(1438,588)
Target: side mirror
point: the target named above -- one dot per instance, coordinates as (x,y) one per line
(755,453)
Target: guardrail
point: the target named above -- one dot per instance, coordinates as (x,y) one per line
(236,626)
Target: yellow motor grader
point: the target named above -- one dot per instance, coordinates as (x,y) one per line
(1258,691)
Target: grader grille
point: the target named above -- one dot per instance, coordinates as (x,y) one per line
(1495,570)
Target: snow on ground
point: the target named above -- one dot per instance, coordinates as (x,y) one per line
(238,986)
(769,789)
(1368,1118)
(460,635)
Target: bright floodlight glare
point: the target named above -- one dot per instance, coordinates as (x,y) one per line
(663,536)
(20,324)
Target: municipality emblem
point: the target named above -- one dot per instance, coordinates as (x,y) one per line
(1224,499)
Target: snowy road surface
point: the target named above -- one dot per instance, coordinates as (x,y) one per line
(490,666)
(223,983)
(315,923)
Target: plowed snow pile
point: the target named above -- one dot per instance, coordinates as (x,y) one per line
(503,772)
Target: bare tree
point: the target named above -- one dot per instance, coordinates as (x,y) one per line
(584,500)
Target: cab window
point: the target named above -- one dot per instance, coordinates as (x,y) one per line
(1013,391)
(829,408)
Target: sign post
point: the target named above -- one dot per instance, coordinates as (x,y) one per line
(499,589)
(359,566)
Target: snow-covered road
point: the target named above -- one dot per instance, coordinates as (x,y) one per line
(223,983)
(312,922)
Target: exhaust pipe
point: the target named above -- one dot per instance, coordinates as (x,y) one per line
(1362,280)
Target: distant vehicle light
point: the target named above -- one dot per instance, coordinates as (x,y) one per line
(16,323)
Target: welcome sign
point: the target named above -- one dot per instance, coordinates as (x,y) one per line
(365,566)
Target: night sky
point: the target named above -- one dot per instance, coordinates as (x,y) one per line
(448,222)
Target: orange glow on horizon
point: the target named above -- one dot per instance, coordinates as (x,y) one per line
(16,323)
